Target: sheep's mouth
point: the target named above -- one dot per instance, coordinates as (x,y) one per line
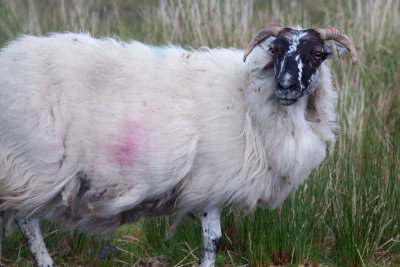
(287,96)
(287,101)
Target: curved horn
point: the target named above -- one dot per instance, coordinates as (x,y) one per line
(330,33)
(269,30)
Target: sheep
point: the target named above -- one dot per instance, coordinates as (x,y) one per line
(97,133)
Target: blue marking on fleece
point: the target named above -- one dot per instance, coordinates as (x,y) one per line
(159,51)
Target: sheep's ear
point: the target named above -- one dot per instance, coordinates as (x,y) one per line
(260,59)
(328,50)
(264,45)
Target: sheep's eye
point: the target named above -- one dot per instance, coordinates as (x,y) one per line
(273,50)
(318,54)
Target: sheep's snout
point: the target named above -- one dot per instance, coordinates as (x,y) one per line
(287,91)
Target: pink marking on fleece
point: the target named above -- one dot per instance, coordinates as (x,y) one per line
(128,142)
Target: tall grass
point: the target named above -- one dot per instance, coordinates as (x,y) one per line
(346,214)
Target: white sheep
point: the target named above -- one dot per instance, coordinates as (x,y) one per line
(98,133)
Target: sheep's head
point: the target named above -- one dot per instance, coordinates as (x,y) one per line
(297,57)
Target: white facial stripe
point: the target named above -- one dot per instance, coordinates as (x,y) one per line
(283,63)
(295,37)
(300,68)
(294,41)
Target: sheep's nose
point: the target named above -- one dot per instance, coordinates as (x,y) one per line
(287,85)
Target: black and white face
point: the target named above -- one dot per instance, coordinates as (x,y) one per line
(297,56)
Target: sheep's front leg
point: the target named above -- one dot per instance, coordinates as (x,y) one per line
(211,224)
(30,229)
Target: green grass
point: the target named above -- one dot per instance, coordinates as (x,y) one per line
(346,214)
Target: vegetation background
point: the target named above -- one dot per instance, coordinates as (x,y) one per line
(346,214)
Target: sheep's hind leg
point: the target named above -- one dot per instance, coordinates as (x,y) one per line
(2,221)
(211,224)
(30,229)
